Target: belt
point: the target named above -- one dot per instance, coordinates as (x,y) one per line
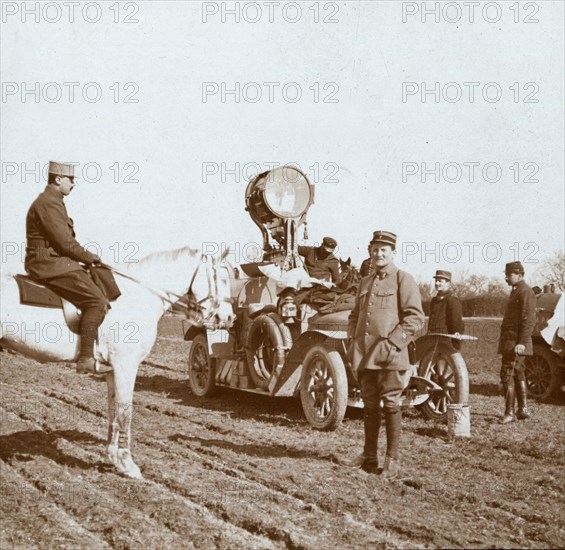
(32,243)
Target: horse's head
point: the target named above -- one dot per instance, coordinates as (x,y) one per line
(349,274)
(210,290)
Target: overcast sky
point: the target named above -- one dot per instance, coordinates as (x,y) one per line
(335,87)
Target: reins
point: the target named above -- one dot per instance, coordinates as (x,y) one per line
(164,294)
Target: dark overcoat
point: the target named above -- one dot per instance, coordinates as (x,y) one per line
(326,268)
(387,314)
(52,248)
(446,314)
(519,320)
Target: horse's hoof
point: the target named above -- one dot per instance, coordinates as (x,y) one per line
(134,474)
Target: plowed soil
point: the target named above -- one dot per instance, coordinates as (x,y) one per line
(244,471)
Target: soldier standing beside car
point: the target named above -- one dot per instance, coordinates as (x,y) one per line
(387,314)
(446,314)
(52,258)
(516,342)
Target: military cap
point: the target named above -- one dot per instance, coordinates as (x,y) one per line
(329,242)
(61,169)
(385,237)
(514,267)
(441,274)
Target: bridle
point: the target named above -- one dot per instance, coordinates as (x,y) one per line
(213,291)
(193,304)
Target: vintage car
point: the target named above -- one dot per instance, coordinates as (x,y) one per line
(545,369)
(282,345)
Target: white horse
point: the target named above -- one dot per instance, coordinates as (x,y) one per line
(149,288)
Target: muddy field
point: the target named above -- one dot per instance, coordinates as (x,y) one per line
(244,471)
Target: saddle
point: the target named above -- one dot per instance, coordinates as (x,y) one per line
(35,294)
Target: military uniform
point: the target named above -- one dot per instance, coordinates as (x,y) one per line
(517,327)
(446,313)
(52,249)
(319,263)
(53,255)
(387,314)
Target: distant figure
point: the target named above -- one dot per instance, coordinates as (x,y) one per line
(446,314)
(320,261)
(53,255)
(516,342)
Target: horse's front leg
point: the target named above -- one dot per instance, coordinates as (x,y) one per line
(120,410)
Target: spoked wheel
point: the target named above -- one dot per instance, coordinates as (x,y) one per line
(437,366)
(323,388)
(200,368)
(542,373)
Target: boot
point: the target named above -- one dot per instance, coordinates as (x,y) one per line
(522,391)
(372,425)
(509,398)
(368,458)
(391,469)
(92,318)
(393,422)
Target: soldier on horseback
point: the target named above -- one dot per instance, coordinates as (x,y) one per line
(54,258)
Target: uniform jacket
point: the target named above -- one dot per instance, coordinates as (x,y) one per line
(387,314)
(446,314)
(52,249)
(326,269)
(519,320)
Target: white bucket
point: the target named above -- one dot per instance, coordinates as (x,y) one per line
(458,420)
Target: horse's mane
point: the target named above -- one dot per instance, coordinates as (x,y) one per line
(164,256)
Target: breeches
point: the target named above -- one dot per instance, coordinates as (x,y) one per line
(512,366)
(383,385)
(78,288)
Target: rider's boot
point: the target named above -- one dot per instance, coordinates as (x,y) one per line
(367,460)
(91,319)
(522,391)
(509,399)
(393,423)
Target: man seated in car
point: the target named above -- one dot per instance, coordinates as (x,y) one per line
(320,262)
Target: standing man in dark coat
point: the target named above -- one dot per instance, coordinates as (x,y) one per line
(387,314)
(446,314)
(516,342)
(320,261)
(53,255)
